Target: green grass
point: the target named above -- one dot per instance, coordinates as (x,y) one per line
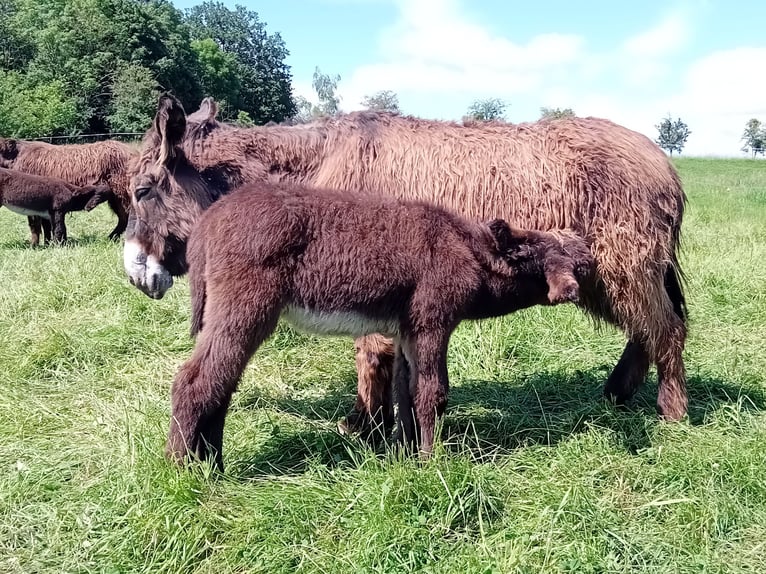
(535,472)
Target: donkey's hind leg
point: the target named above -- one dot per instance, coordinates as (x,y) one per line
(656,323)
(204,384)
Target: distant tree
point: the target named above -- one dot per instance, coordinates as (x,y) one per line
(303,110)
(384,100)
(264,77)
(487,109)
(672,135)
(326,87)
(556,113)
(243,119)
(754,137)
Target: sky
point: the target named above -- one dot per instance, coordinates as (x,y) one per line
(631,62)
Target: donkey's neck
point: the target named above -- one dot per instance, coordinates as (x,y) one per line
(292,153)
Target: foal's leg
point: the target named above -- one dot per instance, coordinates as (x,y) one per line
(203,386)
(59,227)
(47,229)
(432,384)
(404,383)
(34,230)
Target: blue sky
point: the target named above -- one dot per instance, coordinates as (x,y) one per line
(633,63)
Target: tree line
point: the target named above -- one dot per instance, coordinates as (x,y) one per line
(70,66)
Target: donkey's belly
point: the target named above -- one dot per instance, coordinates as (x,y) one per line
(28,212)
(338,322)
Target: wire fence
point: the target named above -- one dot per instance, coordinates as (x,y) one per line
(85,138)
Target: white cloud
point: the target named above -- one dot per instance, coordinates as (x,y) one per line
(670,34)
(437,56)
(434,49)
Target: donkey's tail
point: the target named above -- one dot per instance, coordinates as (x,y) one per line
(198,289)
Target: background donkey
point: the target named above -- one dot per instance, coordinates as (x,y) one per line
(48,199)
(336,263)
(611,185)
(79,164)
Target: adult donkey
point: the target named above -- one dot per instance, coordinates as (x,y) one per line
(610,185)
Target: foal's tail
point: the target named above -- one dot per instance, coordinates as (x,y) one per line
(198,288)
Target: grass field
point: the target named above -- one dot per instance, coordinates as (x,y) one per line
(535,472)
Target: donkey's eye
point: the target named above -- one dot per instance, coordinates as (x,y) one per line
(142,192)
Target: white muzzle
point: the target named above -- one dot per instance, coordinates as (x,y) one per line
(145,271)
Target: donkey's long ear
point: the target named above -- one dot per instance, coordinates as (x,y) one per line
(170,124)
(209,108)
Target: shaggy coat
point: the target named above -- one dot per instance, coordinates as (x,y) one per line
(48,199)
(609,184)
(79,164)
(338,263)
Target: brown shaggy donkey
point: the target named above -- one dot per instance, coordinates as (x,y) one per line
(336,263)
(611,185)
(47,198)
(80,164)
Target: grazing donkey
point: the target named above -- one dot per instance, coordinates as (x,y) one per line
(49,199)
(333,262)
(611,185)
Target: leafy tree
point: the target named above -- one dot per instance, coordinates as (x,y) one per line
(218,73)
(303,110)
(28,110)
(556,113)
(384,100)
(264,77)
(754,137)
(84,43)
(244,119)
(487,110)
(15,49)
(134,97)
(326,87)
(672,135)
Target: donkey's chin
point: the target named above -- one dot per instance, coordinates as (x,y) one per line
(145,272)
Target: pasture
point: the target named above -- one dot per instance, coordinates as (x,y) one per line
(535,471)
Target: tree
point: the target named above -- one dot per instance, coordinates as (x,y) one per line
(556,113)
(29,109)
(264,77)
(384,100)
(672,135)
(326,87)
(219,74)
(487,110)
(134,99)
(754,137)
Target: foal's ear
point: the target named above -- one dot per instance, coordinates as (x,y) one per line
(8,149)
(502,234)
(170,124)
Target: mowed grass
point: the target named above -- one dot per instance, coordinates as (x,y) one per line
(535,471)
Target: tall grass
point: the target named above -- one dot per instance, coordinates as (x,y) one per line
(534,473)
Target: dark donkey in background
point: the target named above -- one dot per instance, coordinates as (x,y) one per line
(47,199)
(611,185)
(331,263)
